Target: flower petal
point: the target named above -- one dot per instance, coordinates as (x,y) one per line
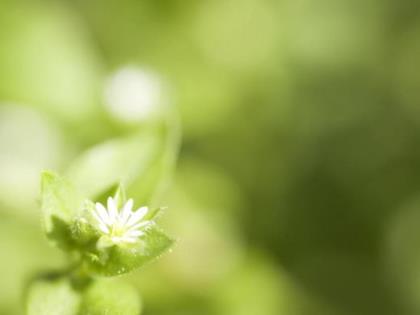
(126,211)
(134,233)
(97,217)
(127,239)
(112,209)
(103,214)
(139,225)
(137,216)
(103,228)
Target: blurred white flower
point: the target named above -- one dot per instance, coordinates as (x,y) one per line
(121,225)
(134,94)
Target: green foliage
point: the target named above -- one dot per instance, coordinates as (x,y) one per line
(110,297)
(70,224)
(60,296)
(301,123)
(60,202)
(111,162)
(141,162)
(75,230)
(110,259)
(147,188)
(55,297)
(119,160)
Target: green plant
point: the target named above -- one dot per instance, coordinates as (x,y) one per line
(87,215)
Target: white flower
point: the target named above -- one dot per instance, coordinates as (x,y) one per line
(121,225)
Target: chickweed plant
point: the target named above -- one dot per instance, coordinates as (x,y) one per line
(100,213)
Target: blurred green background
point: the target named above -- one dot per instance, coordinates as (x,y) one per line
(297,187)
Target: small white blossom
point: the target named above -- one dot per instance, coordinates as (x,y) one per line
(121,225)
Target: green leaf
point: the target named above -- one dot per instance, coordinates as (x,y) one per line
(123,258)
(59,200)
(77,234)
(84,235)
(117,191)
(142,162)
(111,297)
(61,234)
(105,165)
(154,214)
(57,295)
(52,297)
(120,196)
(148,187)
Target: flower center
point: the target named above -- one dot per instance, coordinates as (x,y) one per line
(118,230)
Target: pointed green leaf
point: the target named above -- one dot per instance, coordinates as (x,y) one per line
(59,200)
(148,187)
(123,258)
(117,191)
(143,162)
(106,165)
(154,214)
(61,234)
(120,196)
